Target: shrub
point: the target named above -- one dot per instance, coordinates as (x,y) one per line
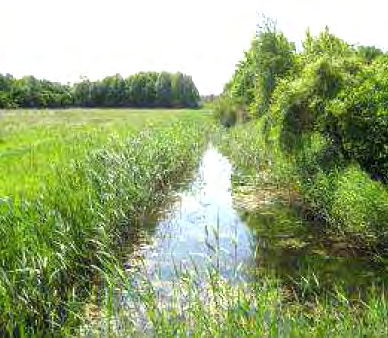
(360,116)
(228,112)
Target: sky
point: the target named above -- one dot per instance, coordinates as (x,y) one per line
(62,40)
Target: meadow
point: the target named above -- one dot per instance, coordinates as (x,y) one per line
(33,142)
(72,182)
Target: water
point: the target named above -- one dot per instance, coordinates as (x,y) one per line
(202,227)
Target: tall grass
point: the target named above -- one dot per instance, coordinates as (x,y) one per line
(36,141)
(198,305)
(57,238)
(209,305)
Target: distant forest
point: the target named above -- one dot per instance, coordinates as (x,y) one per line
(144,89)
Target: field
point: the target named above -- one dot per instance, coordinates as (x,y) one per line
(33,143)
(71,181)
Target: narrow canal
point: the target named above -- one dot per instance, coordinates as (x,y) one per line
(210,223)
(213,224)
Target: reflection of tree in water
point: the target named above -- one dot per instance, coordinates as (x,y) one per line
(291,248)
(140,234)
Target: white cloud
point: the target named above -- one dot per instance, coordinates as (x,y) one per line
(63,39)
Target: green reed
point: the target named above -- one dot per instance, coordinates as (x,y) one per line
(56,240)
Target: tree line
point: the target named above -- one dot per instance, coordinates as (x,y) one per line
(144,89)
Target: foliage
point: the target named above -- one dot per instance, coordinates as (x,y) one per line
(299,106)
(369,53)
(275,59)
(145,89)
(228,112)
(270,58)
(325,44)
(360,115)
(324,128)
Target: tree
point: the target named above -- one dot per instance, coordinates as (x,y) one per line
(163,89)
(144,89)
(369,53)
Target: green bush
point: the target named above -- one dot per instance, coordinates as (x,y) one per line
(300,105)
(270,57)
(323,125)
(275,59)
(360,116)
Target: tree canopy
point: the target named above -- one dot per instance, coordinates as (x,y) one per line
(330,89)
(144,89)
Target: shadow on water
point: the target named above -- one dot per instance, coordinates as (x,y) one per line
(298,252)
(206,224)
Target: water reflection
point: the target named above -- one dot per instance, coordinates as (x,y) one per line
(294,249)
(200,227)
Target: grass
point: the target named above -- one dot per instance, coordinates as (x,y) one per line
(198,305)
(33,141)
(195,305)
(74,182)
(349,206)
